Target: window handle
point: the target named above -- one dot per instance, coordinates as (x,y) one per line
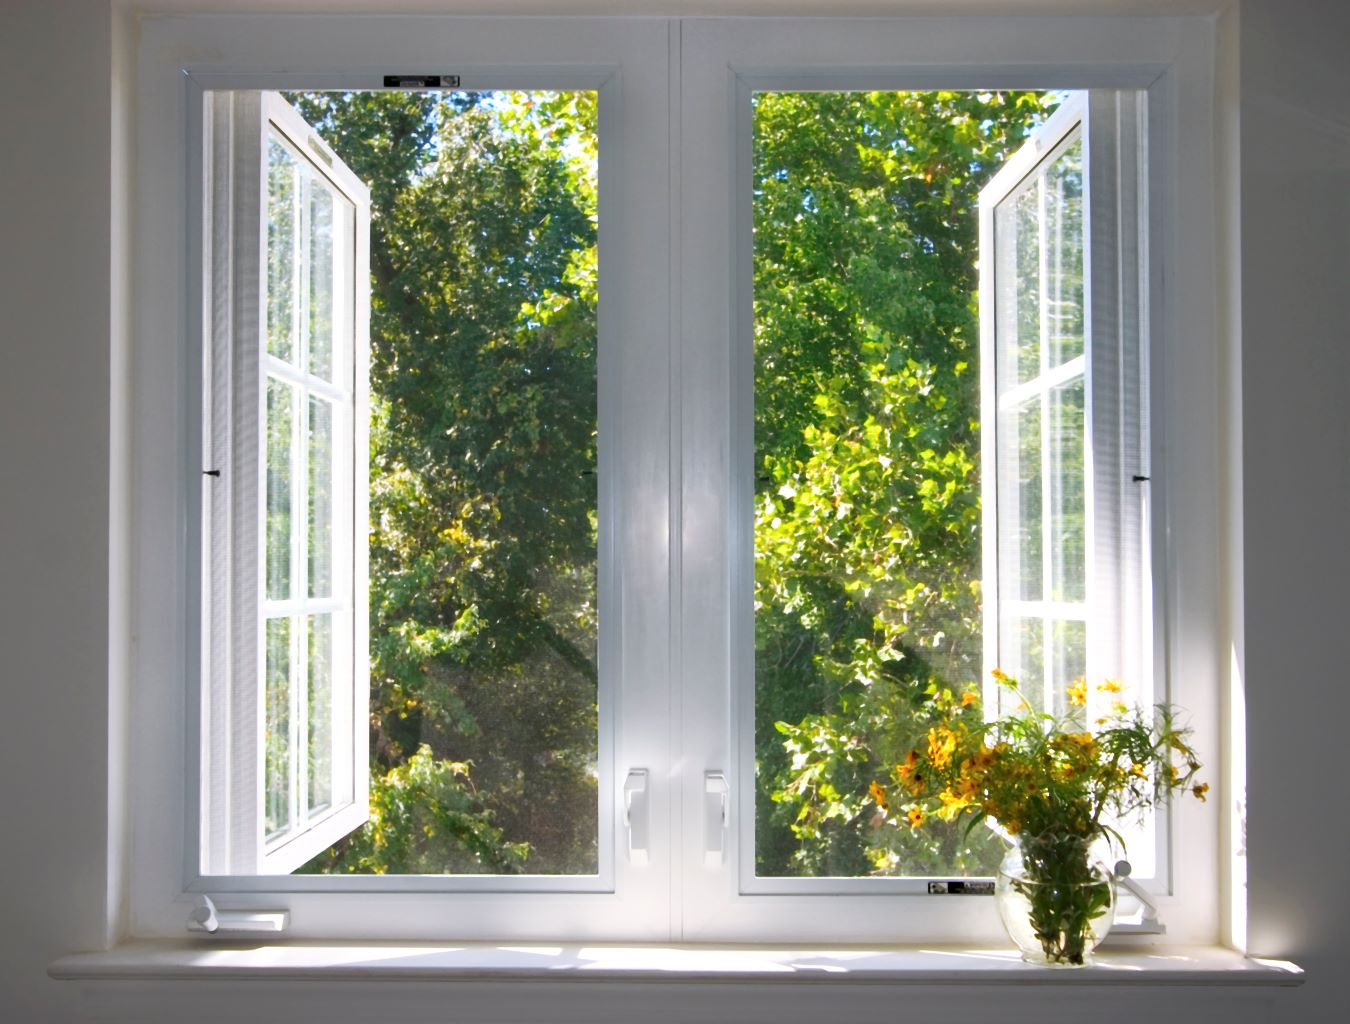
(715,793)
(636,815)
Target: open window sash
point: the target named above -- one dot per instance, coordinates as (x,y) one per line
(285,757)
(1065,412)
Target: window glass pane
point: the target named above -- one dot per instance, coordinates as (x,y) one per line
(1027,540)
(484,520)
(1020,546)
(1018,260)
(283,215)
(320,707)
(280,424)
(319,301)
(1064,255)
(277,717)
(1023,652)
(320,497)
(1068,661)
(1067,511)
(310,241)
(867,491)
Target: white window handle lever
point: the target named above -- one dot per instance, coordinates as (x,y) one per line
(715,793)
(636,816)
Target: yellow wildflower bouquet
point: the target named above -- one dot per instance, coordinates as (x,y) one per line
(1050,781)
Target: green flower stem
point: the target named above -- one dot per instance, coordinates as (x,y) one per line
(1065,895)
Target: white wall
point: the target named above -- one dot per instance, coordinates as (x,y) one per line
(1295,208)
(55,224)
(62,519)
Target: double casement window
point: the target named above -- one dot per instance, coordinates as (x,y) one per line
(596,452)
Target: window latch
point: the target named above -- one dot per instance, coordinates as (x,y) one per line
(421,81)
(636,815)
(715,793)
(206,918)
(1148,922)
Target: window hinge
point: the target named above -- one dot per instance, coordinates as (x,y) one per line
(206,918)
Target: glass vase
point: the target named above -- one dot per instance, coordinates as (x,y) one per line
(1056,900)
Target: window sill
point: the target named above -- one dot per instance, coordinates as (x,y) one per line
(1152,966)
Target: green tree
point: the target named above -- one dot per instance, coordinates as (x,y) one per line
(483,466)
(482,547)
(866,428)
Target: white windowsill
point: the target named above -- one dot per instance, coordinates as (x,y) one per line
(1166,966)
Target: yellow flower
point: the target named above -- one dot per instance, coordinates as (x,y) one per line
(1078,692)
(941,746)
(1001,677)
(969,699)
(952,804)
(1084,741)
(1200,789)
(914,816)
(877,793)
(904,771)
(1138,769)
(1109,686)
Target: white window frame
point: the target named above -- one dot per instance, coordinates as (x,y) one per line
(725,61)
(627,65)
(675,221)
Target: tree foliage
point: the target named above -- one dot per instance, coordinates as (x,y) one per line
(867,581)
(482,546)
(483,466)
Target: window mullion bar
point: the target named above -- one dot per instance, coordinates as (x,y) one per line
(285,371)
(1047,693)
(305,606)
(298,590)
(296,679)
(300,531)
(1061,374)
(1058,610)
(302,269)
(302,663)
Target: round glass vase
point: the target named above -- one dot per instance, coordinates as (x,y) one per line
(1055,899)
